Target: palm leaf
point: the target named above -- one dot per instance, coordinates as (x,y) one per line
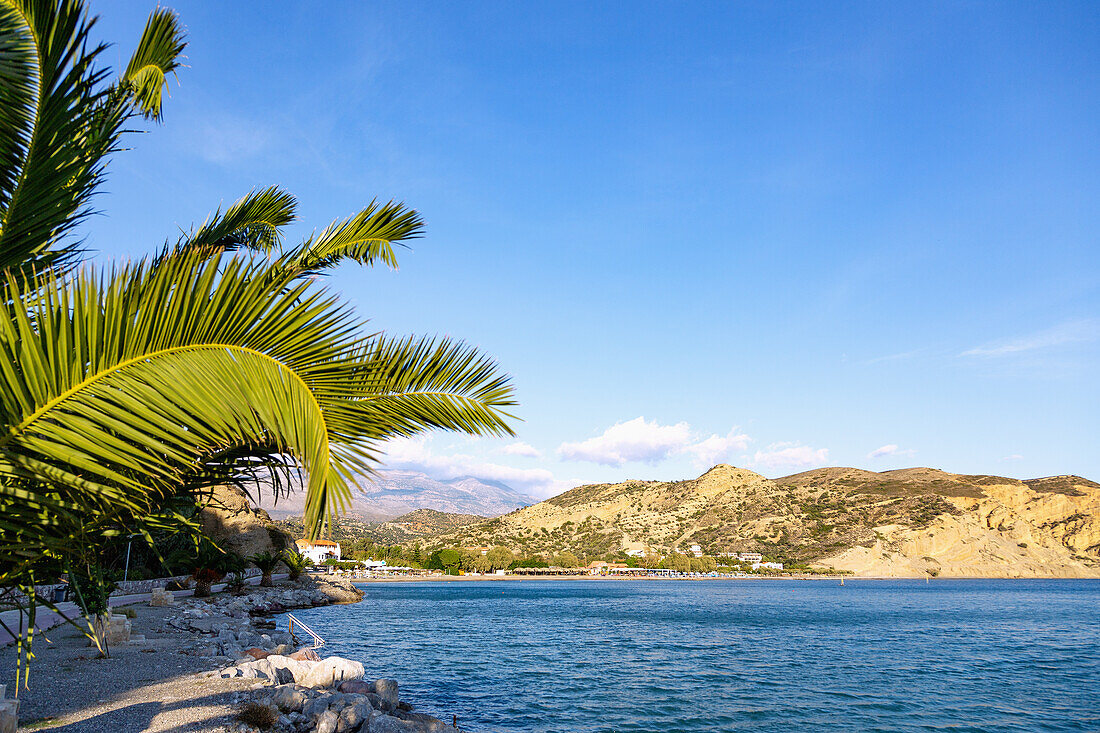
(59,121)
(253,223)
(158,55)
(366,238)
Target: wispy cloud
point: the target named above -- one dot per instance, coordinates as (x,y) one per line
(647,441)
(225,139)
(416,454)
(1013,457)
(789,455)
(1066,333)
(890,449)
(519,448)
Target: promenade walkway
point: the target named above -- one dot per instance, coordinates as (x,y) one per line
(47,619)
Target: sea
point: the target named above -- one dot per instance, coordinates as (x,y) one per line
(732,655)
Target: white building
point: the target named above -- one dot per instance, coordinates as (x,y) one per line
(767,565)
(635,553)
(696,550)
(319,550)
(750,557)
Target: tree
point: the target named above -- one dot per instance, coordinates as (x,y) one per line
(126,388)
(566,560)
(266,562)
(499,557)
(295,564)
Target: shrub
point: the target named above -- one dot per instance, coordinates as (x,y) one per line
(258,715)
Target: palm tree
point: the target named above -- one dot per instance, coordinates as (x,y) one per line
(266,562)
(123,389)
(295,563)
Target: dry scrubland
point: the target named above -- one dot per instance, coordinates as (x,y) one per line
(904,523)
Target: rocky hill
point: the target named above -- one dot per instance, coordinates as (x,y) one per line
(904,523)
(392,494)
(419,524)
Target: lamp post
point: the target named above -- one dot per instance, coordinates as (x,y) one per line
(126,572)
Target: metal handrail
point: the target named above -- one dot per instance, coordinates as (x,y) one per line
(318,642)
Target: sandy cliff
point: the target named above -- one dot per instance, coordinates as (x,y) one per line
(1012,531)
(905,523)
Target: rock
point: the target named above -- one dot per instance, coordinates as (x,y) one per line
(312,709)
(161,597)
(257,653)
(387,724)
(425,723)
(305,655)
(283,670)
(387,690)
(327,722)
(330,672)
(353,716)
(357,687)
(231,522)
(288,699)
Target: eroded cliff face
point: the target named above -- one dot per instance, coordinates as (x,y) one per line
(1012,531)
(231,521)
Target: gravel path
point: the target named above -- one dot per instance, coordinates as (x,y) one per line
(143,687)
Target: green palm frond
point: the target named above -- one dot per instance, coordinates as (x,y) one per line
(252,222)
(366,238)
(60,119)
(56,110)
(158,55)
(410,385)
(114,390)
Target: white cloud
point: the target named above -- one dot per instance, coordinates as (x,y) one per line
(1066,333)
(717,449)
(519,448)
(633,440)
(415,454)
(647,441)
(789,455)
(890,449)
(1013,457)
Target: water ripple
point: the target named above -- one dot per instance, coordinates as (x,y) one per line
(596,657)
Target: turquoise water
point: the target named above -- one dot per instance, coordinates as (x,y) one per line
(576,656)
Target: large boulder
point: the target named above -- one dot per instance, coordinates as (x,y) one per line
(331,671)
(230,520)
(283,670)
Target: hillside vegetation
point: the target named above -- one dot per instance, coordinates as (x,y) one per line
(908,522)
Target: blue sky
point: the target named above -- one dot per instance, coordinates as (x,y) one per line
(779,235)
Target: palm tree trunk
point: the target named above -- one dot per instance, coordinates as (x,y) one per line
(202,588)
(265,579)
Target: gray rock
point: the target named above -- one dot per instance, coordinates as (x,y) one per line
(425,723)
(288,699)
(331,672)
(387,690)
(354,715)
(327,722)
(389,724)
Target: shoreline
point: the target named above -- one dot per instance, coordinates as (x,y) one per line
(762,578)
(196,665)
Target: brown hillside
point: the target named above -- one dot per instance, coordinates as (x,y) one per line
(868,522)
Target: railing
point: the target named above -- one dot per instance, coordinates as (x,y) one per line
(318,642)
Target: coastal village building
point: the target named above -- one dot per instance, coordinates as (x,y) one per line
(319,550)
(750,557)
(696,550)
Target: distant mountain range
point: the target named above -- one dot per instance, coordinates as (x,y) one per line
(394,493)
(906,523)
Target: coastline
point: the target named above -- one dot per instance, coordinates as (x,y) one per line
(196,664)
